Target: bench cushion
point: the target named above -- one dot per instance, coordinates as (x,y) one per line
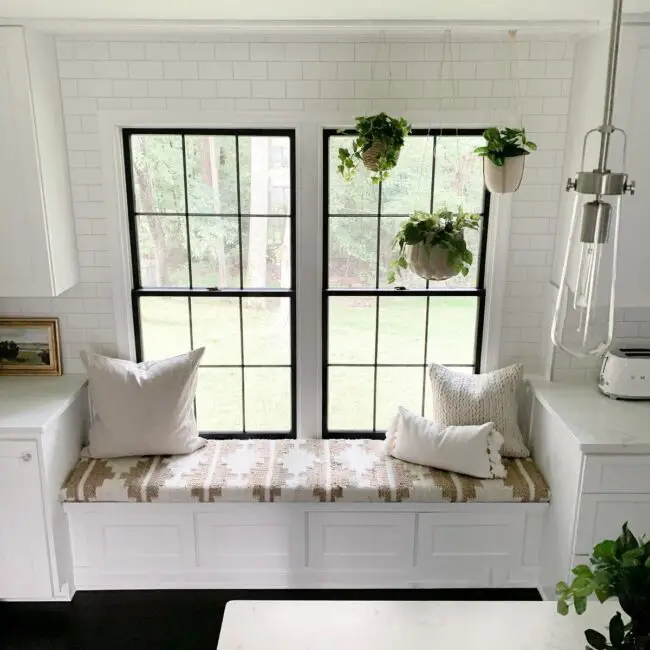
(290,471)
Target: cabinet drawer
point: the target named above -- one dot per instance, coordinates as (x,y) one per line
(602,515)
(360,541)
(616,475)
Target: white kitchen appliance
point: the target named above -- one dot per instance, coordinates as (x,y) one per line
(625,374)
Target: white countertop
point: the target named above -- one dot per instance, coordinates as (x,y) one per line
(600,424)
(448,625)
(32,402)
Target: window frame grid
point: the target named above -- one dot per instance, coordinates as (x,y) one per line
(138,291)
(479,292)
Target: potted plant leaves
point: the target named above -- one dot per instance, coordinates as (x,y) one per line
(433,246)
(377,145)
(619,569)
(504,154)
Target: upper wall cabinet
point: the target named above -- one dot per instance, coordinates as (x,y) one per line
(631,110)
(39,252)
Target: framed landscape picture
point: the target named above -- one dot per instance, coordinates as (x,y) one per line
(29,346)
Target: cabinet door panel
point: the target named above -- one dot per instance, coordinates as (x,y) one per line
(24,262)
(24,563)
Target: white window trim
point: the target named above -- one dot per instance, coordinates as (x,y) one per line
(309,231)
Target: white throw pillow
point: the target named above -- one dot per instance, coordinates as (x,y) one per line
(142,409)
(474,399)
(471,450)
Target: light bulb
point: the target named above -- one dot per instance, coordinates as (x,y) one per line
(583,321)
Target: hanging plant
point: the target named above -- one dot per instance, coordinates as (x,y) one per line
(503,156)
(377,145)
(433,246)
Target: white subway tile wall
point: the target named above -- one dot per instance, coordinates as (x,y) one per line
(314,74)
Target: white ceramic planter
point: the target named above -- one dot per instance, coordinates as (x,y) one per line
(505,179)
(429,263)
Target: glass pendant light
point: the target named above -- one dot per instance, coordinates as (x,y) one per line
(578,328)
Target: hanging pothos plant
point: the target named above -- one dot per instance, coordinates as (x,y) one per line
(377,145)
(504,143)
(433,245)
(503,156)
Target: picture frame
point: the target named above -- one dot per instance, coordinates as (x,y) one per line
(29,346)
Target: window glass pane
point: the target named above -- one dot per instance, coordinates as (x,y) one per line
(165,327)
(219,400)
(267,252)
(215,252)
(162,251)
(211,174)
(352,329)
(397,387)
(459,174)
(407,279)
(268,399)
(352,258)
(215,324)
(267,331)
(408,187)
(265,173)
(358,196)
(452,329)
(158,173)
(350,396)
(401,329)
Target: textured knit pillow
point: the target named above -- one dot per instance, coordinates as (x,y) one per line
(471,450)
(142,409)
(474,399)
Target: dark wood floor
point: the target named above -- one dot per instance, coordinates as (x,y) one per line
(171,620)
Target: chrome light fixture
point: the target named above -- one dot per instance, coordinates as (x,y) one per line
(598,195)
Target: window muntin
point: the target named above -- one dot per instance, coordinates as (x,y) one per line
(212,216)
(378,340)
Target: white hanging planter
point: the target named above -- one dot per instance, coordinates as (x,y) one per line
(430,263)
(506,178)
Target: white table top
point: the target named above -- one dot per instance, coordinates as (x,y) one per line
(29,403)
(416,625)
(600,425)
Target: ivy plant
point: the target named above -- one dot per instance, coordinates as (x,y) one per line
(504,143)
(442,228)
(619,569)
(389,132)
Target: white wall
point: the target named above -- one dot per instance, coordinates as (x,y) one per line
(348,77)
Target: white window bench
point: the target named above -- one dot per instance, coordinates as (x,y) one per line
(310,513)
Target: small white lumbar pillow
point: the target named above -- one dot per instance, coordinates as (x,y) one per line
(473,450)
(458,398)
(142,409)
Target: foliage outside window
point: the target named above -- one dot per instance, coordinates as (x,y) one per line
(212,236)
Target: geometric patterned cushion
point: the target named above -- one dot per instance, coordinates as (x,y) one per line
(460,399)
(292,471)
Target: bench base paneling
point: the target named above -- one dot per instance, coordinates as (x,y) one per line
(264,545)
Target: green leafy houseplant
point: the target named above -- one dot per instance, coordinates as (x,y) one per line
(619,569)
(504,143)
(377,145)
(444,230)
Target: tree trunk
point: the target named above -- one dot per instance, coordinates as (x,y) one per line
(214,158)
(258,226)
(153,223)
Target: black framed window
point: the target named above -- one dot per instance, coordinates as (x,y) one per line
(378,338)
(212,229)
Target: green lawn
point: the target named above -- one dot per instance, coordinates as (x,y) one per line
(401,340)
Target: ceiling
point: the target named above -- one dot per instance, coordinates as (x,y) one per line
(443,11)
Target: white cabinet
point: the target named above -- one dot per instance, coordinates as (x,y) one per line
(631,108)
(41,426)
(39,257)
(24,566)
(595,454)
